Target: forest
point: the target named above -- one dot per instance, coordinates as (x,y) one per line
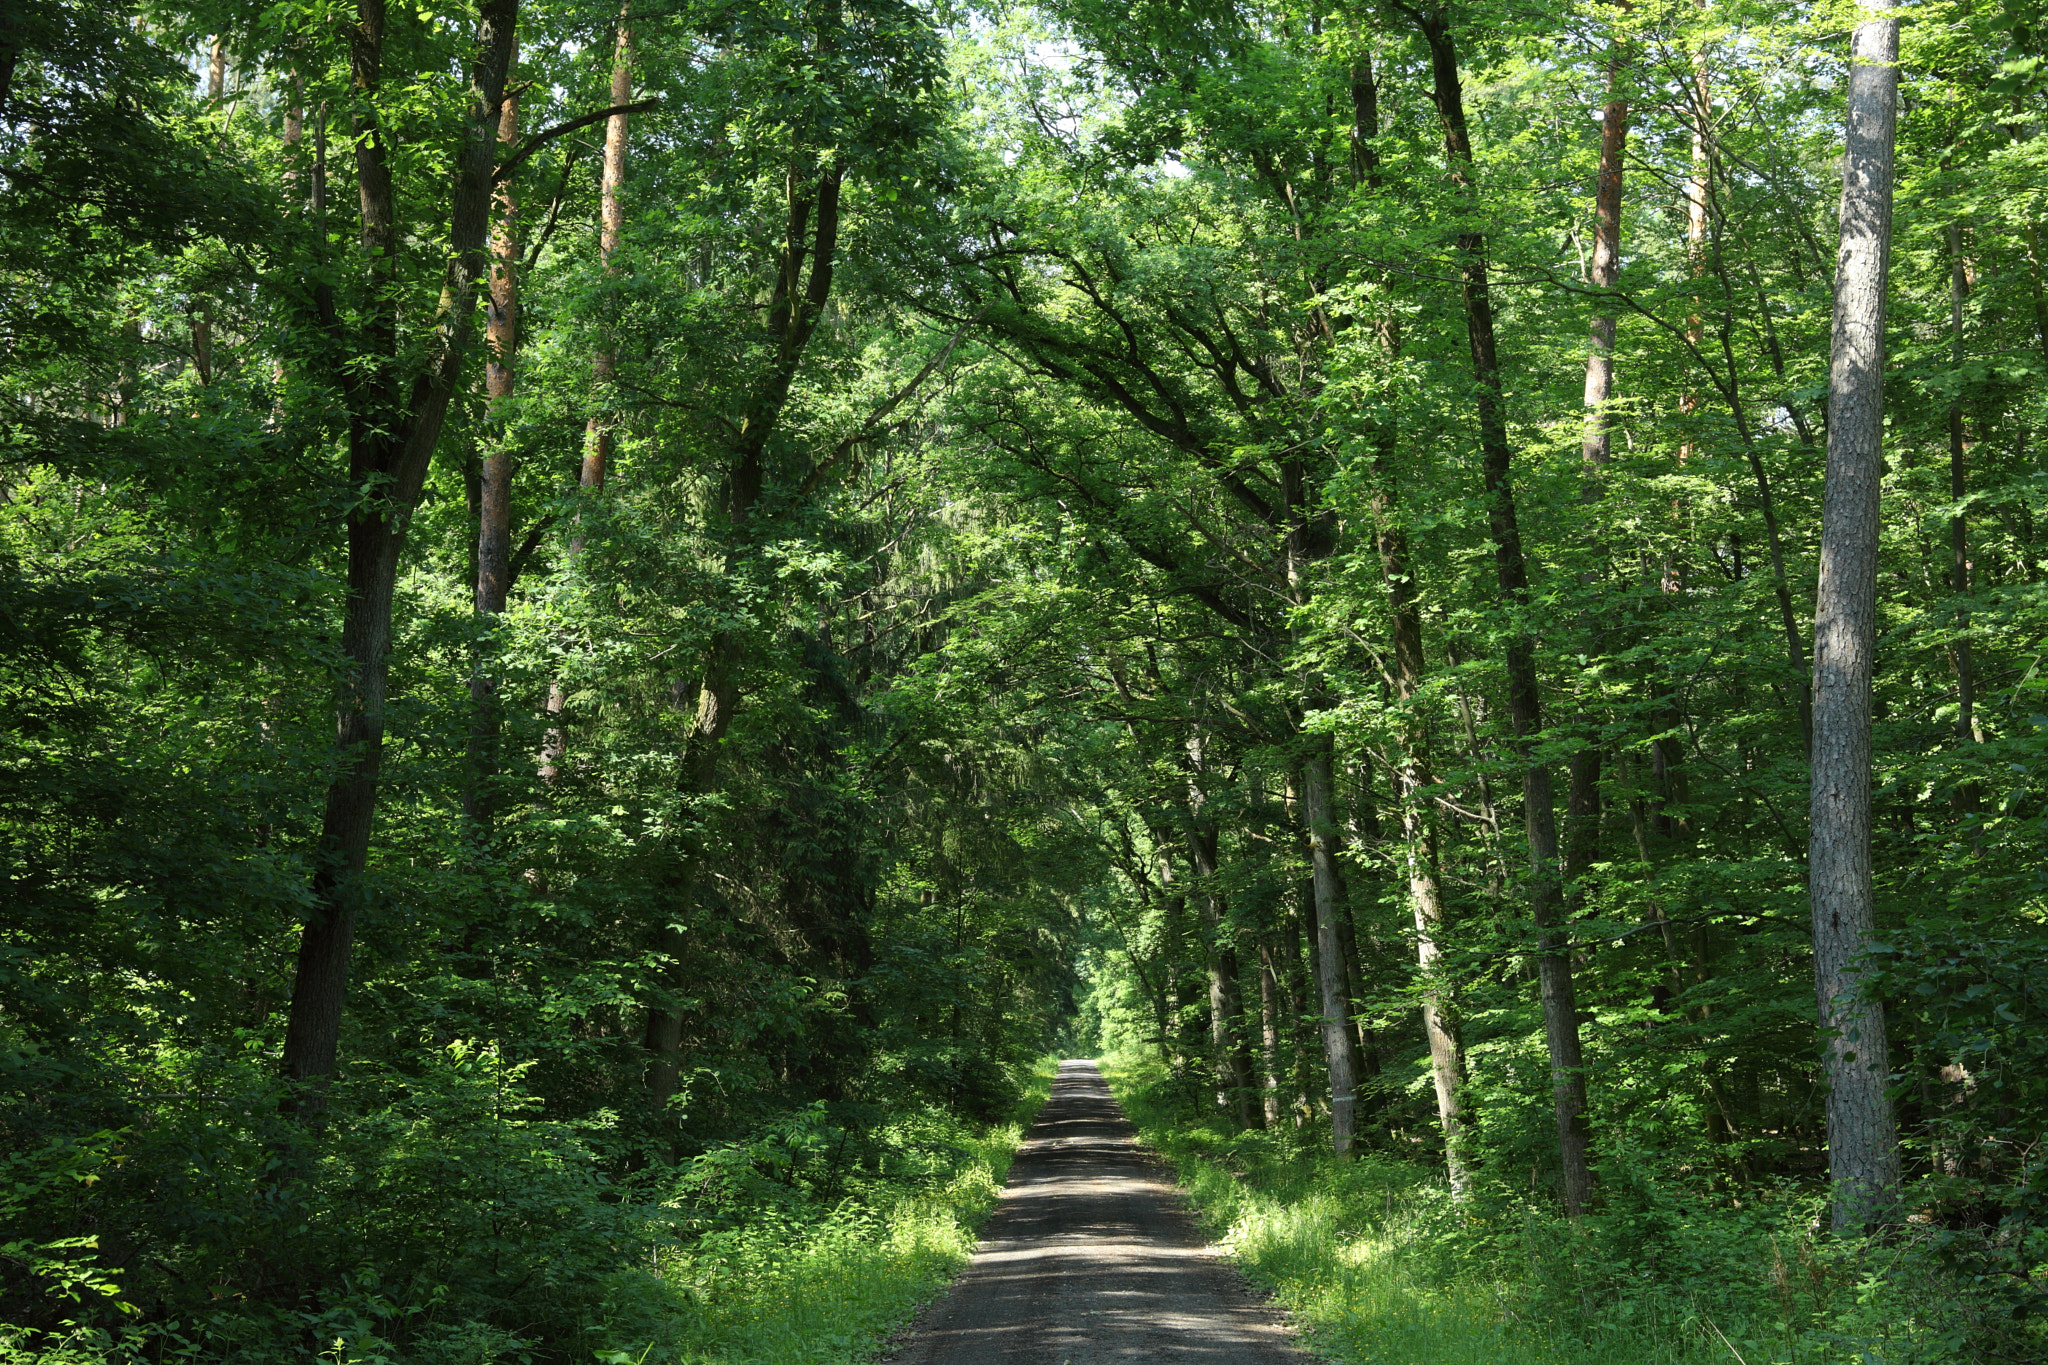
(616,619)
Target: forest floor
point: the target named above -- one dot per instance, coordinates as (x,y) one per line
(1091,1258)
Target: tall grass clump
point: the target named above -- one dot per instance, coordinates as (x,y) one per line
(1380,1267)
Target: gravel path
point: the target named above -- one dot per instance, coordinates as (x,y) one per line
(1090,1259)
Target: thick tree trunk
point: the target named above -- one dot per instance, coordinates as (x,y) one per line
(1332,981)
(1560,1009)
(1863,1150)
(390,442)
(494,509)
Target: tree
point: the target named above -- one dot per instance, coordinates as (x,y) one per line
(1863,1148)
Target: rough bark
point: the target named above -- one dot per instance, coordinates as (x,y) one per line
(1560,1009)
(1863,1153)
(394,422)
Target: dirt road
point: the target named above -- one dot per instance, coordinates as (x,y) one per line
(1091,1260)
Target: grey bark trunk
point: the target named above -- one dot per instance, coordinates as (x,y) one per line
(1582,791)
(1269,1033)
(1332,982)
(1560,1009)
(1418,823)
(811,239)
(1606,268)
(1863,1151)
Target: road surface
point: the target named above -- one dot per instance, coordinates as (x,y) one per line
(1090,1259)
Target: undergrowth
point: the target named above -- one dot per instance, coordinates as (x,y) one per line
(1380,1267)
(805,1245)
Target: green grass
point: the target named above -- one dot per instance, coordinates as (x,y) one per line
(830,1292)
(1379,1267)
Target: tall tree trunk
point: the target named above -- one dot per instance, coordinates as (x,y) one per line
(1606,270)
(1173,932)
(202,308)
(1269,1031)
(1582,789)
(1418,828)
(2036,293)
(1781,584)
(597,439)
(392,434)
(494,504)
(597,433)
(1332,981)
(1236,1080)
(1302,1028)
(1560,1008)
(1418,825)
(1863,1149)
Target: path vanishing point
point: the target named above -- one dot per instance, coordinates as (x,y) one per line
(1091,1259)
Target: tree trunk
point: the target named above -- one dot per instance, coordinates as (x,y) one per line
(1418,825)
(1301,1015)
(597,438)
(794,308)
(1236,1080)
(494,504)
(1863,1151)
(1269,1033)
(1560,1009)
(1606,266)
(1332,981)
(597,433)
(391,440)
(1582,790)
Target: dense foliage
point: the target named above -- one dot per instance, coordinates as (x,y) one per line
(614,618)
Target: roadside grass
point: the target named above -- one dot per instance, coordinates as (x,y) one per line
(827,1290)
(1379,1267)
